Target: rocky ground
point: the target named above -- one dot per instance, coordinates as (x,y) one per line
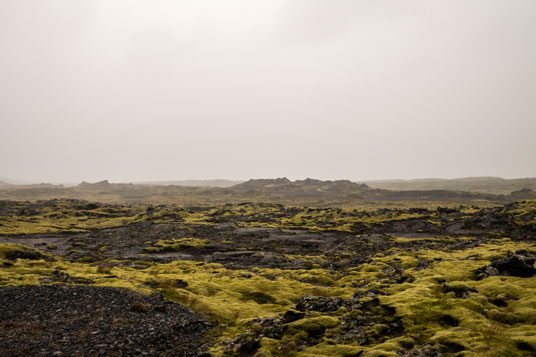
(81,278)
(263,235)
(62,320)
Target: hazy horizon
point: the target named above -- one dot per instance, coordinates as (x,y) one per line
(167,182)
(134,91)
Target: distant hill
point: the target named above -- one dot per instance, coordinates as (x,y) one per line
(495,185)
(308,192)
(307,187)
(103,183)
(3,183)
(311,188)
(194,183)
(10,181)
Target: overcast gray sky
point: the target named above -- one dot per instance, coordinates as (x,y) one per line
(158,90)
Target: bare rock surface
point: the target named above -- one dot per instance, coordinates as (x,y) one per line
(61,320)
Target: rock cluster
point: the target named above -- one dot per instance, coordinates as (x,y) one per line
(320,304)
(461,292)
(520,263)
(373,323)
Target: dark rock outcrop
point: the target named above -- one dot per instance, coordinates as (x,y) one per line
(461,292)
(320,304)
(520,264)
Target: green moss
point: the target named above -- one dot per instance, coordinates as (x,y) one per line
(313,326)
(331,350)
(176,245)
(258,296)
(18,251)
(64,216)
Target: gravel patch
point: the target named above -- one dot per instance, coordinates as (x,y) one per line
(62,320)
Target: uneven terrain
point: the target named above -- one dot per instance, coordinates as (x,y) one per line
(89,278)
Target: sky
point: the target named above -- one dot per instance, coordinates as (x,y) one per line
(166,90)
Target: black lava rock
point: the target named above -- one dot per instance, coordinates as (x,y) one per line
(520,265)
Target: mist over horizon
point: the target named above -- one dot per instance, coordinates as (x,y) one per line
(196,90)
(223,182)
